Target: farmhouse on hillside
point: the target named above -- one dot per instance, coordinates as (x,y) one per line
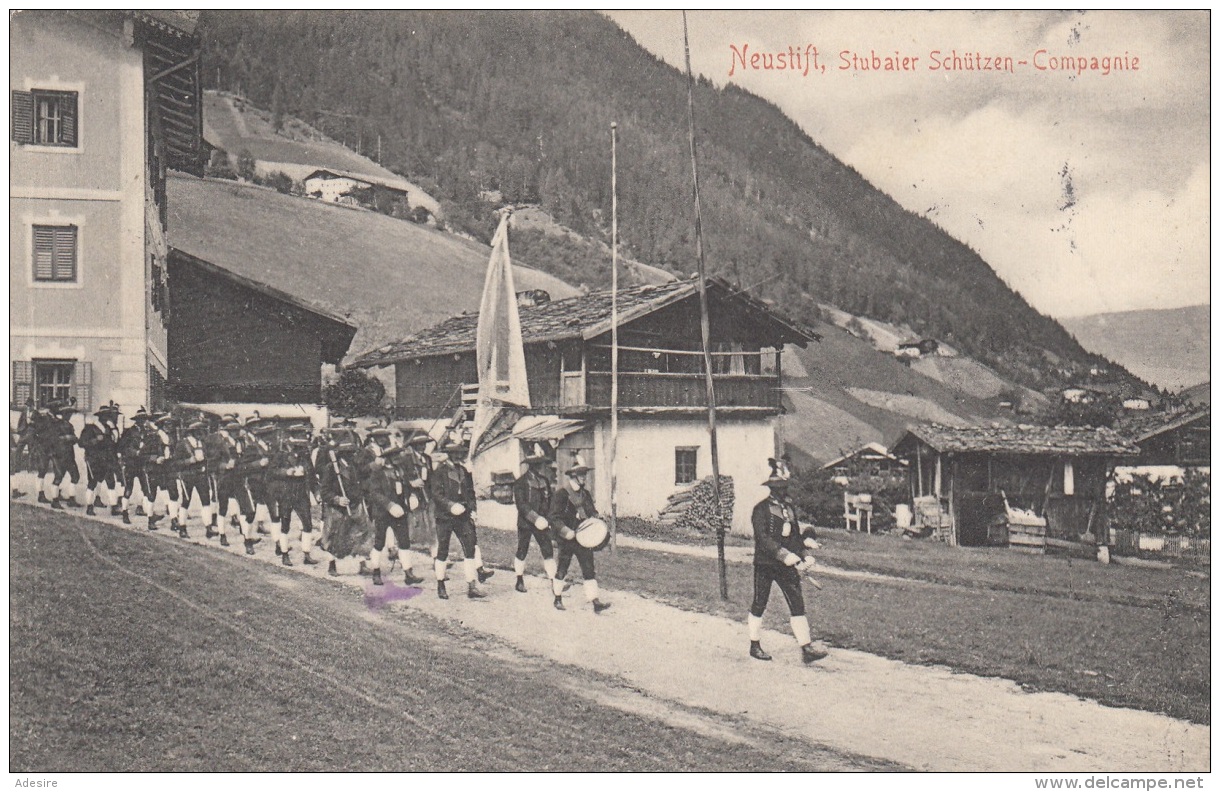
(236,341)
(663,435)
(966,482)
(101,103)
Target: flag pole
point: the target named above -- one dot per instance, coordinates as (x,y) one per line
(704,324)
(613,335)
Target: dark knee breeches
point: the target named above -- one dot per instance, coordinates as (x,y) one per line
(789,582)
(291,498)
(465,534)
(382,525)
(523,542)
(584,557)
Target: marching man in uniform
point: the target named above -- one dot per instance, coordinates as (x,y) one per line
(135,465)
(386,497)
(190,458)
(571,506)
(290,479)
(340,493)
(532,494)
(453,494)
(780,556)
(63,456)
(100,439)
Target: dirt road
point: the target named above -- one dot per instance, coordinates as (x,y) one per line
(922,717)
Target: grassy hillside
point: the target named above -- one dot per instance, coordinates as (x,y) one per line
(390,277)
(1170,348)
(521,104)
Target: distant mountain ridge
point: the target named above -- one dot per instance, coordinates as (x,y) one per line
(1171,347)
(519,104)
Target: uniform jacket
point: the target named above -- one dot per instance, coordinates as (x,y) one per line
(101,443)
(220,451)
(452,483)
(190,458)
(292,467)
(253,452)
(532,494)
(385,485)
(63,438)
(333,471)
(570,508)
(421,465)
(776,532)
(156,448)
(131,445)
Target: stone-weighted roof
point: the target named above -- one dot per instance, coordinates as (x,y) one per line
(1035,440)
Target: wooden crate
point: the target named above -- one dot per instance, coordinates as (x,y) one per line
(1027,538)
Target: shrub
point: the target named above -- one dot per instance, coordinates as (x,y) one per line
(355,393)
(1147,505)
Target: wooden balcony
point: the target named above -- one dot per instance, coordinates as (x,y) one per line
(677,391)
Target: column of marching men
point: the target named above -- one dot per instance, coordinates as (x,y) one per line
(250,477)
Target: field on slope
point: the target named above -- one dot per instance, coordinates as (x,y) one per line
(150,655)
(391,277)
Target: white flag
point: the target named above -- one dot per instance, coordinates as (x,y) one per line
(499,350)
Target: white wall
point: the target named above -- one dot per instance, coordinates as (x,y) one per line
(646,462)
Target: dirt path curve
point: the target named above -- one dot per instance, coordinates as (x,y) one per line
(924,717)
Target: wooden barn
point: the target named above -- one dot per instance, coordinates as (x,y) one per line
(663,438)
(970,484)
(1181,440)
(236,340)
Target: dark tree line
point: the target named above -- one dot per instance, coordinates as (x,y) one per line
(471,104)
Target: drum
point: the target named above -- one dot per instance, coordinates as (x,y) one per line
(593,533)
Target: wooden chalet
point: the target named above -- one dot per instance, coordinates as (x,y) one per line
(1181,439)
(967,483)
(663,441)
(236,340)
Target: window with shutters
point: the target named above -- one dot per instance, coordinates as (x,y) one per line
(686,465)
(55,253)
(53,380)
(45,118)
(46,381)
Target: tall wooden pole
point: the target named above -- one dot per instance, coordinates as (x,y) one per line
(704,325)
(613,335)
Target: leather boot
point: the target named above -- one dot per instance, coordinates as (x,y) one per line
(56,504)
(249,547)
(42,498)
(308,560)
(441,591)
(599,606)
(331,569)
(115,511)
(411,579)
(285,560)
(559,603)
(126,517)
(520,584)
(377,578)
(756,651)
(472,592)
(224,541)
(811,655)
(89,510)
(485,573)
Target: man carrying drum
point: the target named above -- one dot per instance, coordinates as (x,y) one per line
(570,507)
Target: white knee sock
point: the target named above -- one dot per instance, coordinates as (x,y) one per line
(754,624)
(478,558)
(90,494)
(438,567)
(800,628)
(591,590)
(557,587)
(550,565)
(205,515)
(518,566)
(306,541)
(376,558)
(471,568)
(246,528)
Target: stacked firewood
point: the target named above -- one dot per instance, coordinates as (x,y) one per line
(694,508)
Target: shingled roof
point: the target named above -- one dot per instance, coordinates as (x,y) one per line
(586,316)
(1036,440)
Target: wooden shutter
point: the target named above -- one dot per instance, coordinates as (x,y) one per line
(82,386)
(23,381)
(65,253)
(67,119)
(23,116)
(44,253)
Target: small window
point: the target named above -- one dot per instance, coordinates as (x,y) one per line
(45,118)
(55,254)
(686,465)
(53,381)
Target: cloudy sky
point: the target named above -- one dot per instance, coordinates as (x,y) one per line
(1085,192)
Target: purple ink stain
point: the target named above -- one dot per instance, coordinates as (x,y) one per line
(377,597)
